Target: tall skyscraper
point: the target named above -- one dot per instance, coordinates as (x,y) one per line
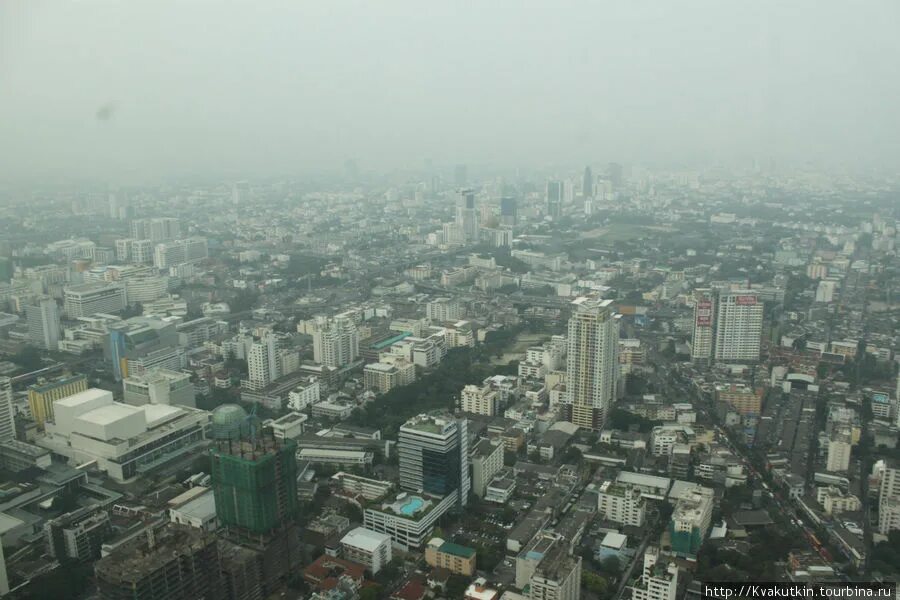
(434,455)
(255,483)
(466,216)
(7,422)
(554,198)
(43,323)
(702,339)
(738,327)
(587,183)
(592,364)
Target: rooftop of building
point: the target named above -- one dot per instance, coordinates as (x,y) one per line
(366,539)
(457,550)
(147,554)
(436,423)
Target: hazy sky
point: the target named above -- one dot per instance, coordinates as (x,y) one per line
(125,89)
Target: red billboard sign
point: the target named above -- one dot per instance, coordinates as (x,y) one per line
(704,313)
(745,300)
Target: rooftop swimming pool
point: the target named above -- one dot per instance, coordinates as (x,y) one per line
(411,506)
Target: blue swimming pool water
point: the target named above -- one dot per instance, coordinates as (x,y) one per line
(411,506)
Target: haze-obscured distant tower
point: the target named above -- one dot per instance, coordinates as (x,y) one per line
(738,327)
(615,175)
(461,176)
(587,183)
(508,211)
(43,323)
(466,215)
(554,198)
(704,314)
(592,364)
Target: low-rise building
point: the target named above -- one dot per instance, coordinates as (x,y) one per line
(453,557)
(367,547)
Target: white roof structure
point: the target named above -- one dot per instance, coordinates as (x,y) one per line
(157,414)
(365,539)
(614,540)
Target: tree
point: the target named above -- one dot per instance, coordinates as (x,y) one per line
(594,583)
(29,358)
(370,592)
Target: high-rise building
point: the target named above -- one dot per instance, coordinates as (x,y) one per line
(43,394)
(466,215)
(621,503)
(460,176)
(839,446)
(587,183)
(434,456)
(659,579)
(509,211)
(336,343)
(141,343)
(92,298)
(554,198)
(738,327)
(43,323)
(480,400)
(157,230)
(889,498)
(445,309)
(592,364)
(702,340)
(690,521)
(7,414)
(255,483)
(557,576)
(78,534)
(615,175)
(179,252)
(159,386)
(487,462)
(176,562)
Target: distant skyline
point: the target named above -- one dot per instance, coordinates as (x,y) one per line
(125,91)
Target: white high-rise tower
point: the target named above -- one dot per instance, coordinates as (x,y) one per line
(592,363)
(738,327)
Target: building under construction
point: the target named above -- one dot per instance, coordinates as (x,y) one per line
(255,486)
(174,562)
(255,483)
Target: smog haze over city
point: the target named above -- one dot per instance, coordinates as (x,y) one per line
(206,88)
(331,300)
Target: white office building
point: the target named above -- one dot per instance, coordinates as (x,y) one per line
(621,503)
(43,323)
(92,298)
(179,252)
(159,386)
(306,393)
